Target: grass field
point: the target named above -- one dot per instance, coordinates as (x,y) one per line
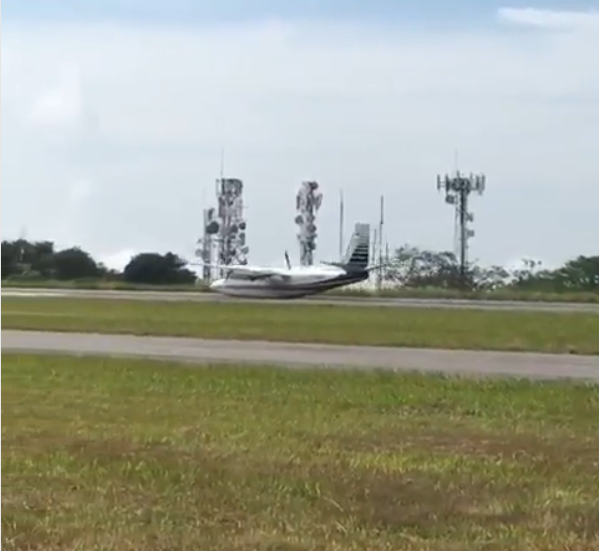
(399,292)
(443,328)
(106,455)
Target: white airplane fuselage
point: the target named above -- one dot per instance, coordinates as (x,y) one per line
(286,283)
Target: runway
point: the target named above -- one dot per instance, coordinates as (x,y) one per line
(174,296)
(528,365)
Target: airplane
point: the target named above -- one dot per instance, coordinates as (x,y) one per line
(295,282)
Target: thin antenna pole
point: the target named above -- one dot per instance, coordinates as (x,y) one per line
(222,213)
(386,268)
(341,215)
(380,259)
(374,241)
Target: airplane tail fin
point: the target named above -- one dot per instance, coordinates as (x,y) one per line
(358,250)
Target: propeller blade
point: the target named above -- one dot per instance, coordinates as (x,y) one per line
(287,261)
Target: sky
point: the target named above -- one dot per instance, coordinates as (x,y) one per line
(114,115)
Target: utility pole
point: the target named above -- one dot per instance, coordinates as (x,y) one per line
(379,278)
(341,224)
(458,188)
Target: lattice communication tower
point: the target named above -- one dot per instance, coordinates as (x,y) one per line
(307,204)
(224,239)
(458,188)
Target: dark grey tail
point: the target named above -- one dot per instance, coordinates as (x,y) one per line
(358,250)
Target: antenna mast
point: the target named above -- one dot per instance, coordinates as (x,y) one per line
(341,221)
(458,188)
(224,226)
(379,278)
(307,203)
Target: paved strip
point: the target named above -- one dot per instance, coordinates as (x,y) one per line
(529,365)
(179,296)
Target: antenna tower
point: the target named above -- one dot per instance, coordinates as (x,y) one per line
(232,238)
(458,188)
(307,204)
(224,227)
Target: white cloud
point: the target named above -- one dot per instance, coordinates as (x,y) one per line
(551,19)
(59,106)
(141,114)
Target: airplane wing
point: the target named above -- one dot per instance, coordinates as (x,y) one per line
(253,273)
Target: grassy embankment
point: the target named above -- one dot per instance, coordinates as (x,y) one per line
(430,293)
(335,324)
(102,454)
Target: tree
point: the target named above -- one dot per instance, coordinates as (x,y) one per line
(74,263)
(10,257)
(414,267)
(489,278)
(23,257)
(157,269)
(580,274)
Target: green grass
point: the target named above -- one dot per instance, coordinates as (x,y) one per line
(424,293)
(360,325)
(102,454)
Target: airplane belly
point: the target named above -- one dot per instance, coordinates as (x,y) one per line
(295,287)
(261,291)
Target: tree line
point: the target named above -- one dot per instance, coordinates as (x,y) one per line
(40,260)
(417,268)
(409,266)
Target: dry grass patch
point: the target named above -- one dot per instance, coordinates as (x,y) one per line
(131,455)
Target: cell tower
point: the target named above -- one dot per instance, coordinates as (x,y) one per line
(458,188)
(224,239)
(232,238)
(308,201)
(208,243)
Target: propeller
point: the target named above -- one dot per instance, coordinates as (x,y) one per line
(287,261)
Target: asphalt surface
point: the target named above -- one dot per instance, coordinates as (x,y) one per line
(528,365)
(348,301)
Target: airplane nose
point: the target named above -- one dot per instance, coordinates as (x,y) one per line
(216,284)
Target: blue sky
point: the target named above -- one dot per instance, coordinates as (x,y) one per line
(118,110)
(200,11)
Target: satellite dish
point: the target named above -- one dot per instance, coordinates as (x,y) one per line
(245,250)
(242,226)
(299,219)
(241,237)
